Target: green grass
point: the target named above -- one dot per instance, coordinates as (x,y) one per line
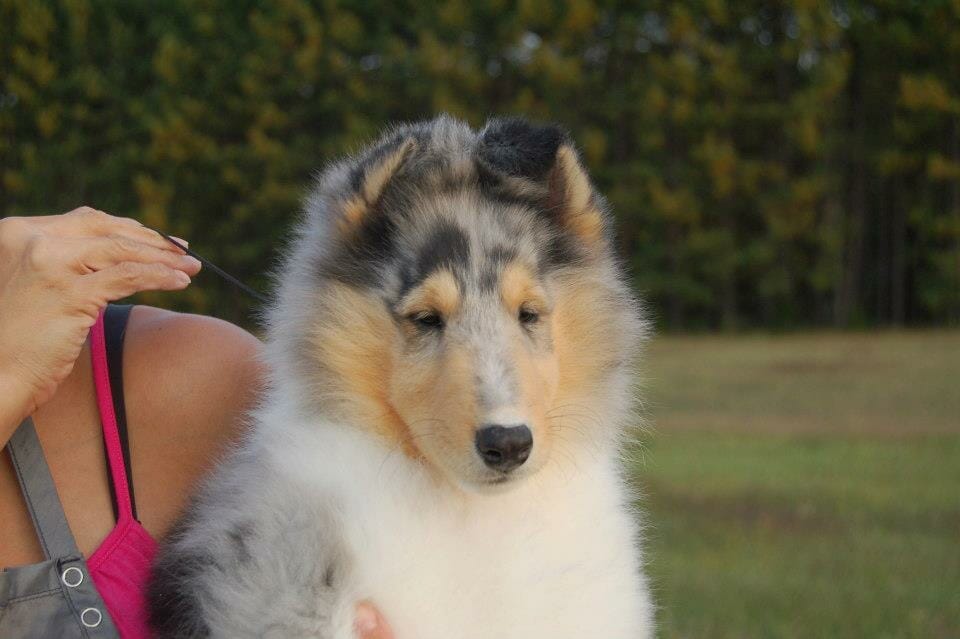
(804,486)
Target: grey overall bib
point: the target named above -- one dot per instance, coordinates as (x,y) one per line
(56,598)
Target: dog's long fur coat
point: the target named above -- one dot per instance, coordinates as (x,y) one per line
(442,281)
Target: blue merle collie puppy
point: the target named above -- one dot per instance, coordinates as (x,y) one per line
(451,354)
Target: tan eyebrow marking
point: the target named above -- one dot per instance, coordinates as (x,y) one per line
(438,292)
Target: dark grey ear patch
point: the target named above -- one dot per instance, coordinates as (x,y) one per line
(538,165)
(517,148)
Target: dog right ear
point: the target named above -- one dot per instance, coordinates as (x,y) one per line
(539,162)
(369,180)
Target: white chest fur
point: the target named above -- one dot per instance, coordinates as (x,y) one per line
(554,557)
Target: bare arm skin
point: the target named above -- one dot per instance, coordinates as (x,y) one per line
(56,273)
(188,379)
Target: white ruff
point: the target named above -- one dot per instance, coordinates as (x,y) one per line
(555,556)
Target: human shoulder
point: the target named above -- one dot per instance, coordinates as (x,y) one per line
(189,381)
(182,353)
(163,338)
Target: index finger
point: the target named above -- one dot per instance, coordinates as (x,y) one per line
(89,222)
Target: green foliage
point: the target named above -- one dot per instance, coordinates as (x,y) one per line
(771,163)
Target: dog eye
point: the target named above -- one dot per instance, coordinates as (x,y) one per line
(430,321)
(528,316)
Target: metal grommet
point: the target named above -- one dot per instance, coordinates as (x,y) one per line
(72,577)
(91,617)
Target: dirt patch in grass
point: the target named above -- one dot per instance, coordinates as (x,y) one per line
(747,511)
(893,384)
(845,425)
(812,515)
(805,367)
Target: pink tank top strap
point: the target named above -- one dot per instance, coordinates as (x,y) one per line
(101,379)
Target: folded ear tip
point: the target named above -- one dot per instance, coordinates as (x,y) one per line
(519,128)
(408,144)
(369,178)
(519,147)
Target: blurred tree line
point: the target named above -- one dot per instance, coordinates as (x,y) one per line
(777,163)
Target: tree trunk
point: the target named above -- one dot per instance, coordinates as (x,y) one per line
(849,294)
(898,263)
(955,202)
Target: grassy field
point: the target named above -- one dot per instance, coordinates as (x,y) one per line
(804,486)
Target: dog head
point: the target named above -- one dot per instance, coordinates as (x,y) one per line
(456,293)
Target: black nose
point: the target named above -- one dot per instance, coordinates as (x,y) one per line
(504,448)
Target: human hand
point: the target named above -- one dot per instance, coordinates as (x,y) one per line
(56,273)
(369,624)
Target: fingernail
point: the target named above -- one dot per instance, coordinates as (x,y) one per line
(190,262)
(182,241)
(183,278)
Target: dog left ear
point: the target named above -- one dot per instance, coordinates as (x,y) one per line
(539,162)
(369,181)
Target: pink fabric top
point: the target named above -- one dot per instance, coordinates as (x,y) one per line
(120,566)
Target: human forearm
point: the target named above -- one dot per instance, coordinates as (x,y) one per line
(15,403)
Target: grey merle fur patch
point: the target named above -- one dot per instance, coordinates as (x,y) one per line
(506,168)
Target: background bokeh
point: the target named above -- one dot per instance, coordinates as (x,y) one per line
(788,165)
